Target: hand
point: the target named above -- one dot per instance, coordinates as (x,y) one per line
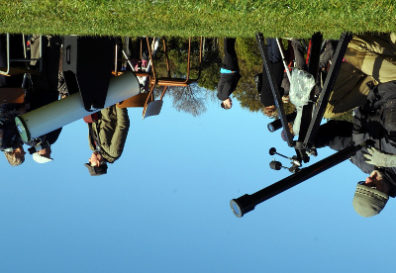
(379,159)
(285,99)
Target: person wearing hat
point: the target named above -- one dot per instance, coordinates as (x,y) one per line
(44,90)
(108,130)
(375,121)
(41,89)
(229,74)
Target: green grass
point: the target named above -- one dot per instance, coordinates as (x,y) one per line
(210,18)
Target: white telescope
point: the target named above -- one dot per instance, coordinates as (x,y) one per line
(55,115)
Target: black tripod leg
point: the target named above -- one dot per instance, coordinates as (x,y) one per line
(274,87)
(313,69)
(247,202)
(327,88)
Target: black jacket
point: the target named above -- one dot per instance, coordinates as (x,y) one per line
(9,137)
(372,121)
(227,84)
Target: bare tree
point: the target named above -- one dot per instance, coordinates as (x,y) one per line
(190,99)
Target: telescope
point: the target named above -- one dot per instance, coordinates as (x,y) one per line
(277,124)
(242,205)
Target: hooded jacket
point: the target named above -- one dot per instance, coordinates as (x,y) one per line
(373,121)
(108,134)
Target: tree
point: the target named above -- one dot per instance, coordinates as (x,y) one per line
(191,99)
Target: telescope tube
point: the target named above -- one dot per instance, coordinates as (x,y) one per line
(59,113)
(247,202)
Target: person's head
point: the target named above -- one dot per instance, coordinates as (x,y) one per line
(16,157)
(226,104)
(371,195)
(43,155)
(96,164)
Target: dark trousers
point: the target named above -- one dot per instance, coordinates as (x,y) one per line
(274,55)
(230,60)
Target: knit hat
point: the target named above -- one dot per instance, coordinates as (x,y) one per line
(367,201)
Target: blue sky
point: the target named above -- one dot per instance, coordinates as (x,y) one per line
(164,205)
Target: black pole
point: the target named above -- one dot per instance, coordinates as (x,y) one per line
(327,88)
(247,202)
(274,88)
(313,69)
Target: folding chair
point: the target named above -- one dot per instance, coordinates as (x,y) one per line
(150,106)
(154,107)
(142,99)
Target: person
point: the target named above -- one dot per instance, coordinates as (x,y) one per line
(108,130)
(280,77)
(375,121)
(276,66)
(229,74)
(41,90)
(370,59)
(10,142)
(44,91)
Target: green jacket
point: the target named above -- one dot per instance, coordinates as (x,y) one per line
(109,133)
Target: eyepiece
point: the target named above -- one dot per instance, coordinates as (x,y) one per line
(242,205)
(235,208)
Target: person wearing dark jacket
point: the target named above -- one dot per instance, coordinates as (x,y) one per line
(375,121)
(277,69)
(10,142)
(108,131)
(44,91)
(229,74)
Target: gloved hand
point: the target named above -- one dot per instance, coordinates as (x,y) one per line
(379,159)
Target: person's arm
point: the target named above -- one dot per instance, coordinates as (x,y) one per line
(335,134)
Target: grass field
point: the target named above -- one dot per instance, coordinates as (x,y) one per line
(240,18)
